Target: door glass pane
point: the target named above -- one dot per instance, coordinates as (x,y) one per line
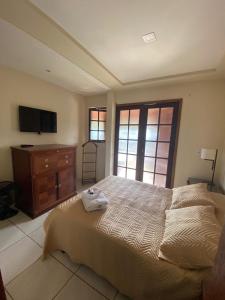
(149,164)
(122,146)
(153,115)
(94,115)
(131,174)
(102,116)
(133,132)
(150,148)
(155,159)
(94,125)
(121,172)
(124,116)
(123,133)
(131,161)
(134,116)
(164,133)
(101,135)
(101,125)
(166,116)
(151,133)
(163,150)
(94,135)
(122,160)
(132,147)
(148,177)
(160,180)
(161,166)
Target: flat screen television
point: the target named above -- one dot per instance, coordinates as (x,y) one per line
(37,120)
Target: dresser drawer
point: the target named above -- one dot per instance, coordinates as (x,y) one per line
(44,162)
(65,158)
(45,188)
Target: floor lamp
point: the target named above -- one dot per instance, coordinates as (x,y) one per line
(211,155)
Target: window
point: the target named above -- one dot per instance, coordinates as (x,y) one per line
(97,121)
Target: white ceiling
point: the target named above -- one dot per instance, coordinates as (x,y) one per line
(92,46)
(190,34)
(23,52)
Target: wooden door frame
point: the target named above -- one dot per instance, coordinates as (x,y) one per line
(177,103)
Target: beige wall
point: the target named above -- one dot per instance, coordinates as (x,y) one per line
(17,88)
(202,120)
(110,133)
(202,123)
(96,101)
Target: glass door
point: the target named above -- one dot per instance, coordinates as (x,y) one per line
(145,142)
(127,143)
(157,145)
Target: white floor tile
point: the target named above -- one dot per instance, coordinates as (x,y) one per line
(77,289)
(9,234)
(38,236)
(18,257)
(100,284)
(42,280)
(26,224)
(66,261)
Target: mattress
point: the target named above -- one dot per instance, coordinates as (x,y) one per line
(122,243)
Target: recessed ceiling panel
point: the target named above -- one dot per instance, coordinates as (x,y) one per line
(22,52)
(190,34)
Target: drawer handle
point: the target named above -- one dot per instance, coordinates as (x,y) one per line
(46,166)
(67,161)
(46,160)
(59,186)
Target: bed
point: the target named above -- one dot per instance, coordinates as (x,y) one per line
(122,243)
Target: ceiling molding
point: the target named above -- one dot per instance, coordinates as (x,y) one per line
(189,74)
(26,16)
(172,80)
(29,18)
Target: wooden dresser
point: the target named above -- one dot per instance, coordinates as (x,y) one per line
(45,176)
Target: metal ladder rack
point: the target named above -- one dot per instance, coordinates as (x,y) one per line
(89,162)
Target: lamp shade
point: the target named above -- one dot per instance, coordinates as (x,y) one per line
(208,154)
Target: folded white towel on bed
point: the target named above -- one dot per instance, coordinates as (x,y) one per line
(94,199)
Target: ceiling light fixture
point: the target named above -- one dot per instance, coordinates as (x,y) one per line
(149,37)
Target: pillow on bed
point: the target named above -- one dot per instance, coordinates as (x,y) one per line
(197,186)
(191,237)
(191,195)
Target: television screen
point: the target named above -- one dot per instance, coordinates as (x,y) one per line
(37,120)
(48,121)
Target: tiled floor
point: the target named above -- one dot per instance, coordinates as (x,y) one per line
(27,277)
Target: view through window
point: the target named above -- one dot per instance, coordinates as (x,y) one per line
(97,122)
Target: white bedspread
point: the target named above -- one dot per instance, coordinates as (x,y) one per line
(122,243)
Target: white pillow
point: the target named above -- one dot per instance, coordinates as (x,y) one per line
(196,186)
(191,237)
(191,195)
